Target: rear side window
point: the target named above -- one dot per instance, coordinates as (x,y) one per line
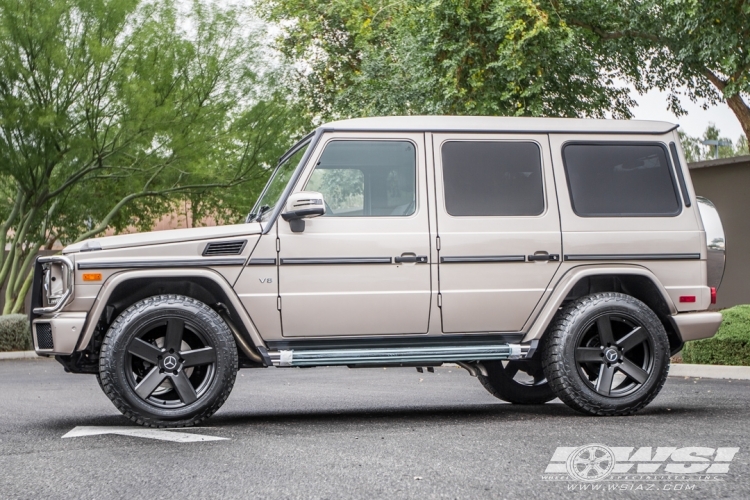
(483,178)
(620,180)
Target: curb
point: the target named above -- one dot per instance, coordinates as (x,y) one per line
(18,355)
(709,371)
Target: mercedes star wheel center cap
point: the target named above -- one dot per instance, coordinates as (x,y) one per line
(170,362)
(611,355)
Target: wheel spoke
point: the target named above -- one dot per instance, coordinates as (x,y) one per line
(604,382)
(183,387)
(605,331)
(150,382)
(511,369)
(144,350)
(632,339)
(198,357)
(589,355)
(175,328)
(633,371)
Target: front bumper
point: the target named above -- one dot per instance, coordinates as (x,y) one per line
(697,325)
(57,333)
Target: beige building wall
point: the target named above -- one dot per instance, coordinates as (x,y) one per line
(726,182)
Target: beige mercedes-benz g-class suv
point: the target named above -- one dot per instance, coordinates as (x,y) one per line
(548,257)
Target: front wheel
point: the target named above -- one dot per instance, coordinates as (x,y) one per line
(606,354)
(168,360)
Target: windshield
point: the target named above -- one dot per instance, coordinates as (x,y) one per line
(276,185)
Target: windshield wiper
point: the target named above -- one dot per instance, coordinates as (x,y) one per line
(254,217)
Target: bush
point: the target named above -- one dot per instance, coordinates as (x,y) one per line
(15,334)
(730,346)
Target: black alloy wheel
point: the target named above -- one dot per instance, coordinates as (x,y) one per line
(517,381)
(168,360)
(172,365)
(606,354)
(615,356)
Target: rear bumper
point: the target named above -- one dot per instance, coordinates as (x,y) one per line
(57,333)
(697,325)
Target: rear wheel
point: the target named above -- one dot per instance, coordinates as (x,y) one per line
(606,354)
(168,360)
(520,382)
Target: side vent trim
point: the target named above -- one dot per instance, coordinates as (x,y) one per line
(234,247)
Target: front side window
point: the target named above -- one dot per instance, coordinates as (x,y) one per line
(492,178)
(620,180)
(367,178)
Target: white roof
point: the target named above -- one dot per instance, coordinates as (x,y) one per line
(499,124)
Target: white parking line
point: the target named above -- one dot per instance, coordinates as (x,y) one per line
(160,434)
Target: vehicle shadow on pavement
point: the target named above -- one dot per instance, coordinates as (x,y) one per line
(436,415)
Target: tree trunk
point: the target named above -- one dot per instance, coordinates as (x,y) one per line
(735,102)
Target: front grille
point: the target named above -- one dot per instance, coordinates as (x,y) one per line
(224,248)
(44,336)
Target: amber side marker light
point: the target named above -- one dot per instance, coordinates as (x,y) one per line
(92,276)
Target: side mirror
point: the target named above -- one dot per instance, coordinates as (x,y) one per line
(301,206)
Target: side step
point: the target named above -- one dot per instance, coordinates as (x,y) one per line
(397,355)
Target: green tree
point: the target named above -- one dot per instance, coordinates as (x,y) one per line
(486,57)
(696,150)
(514,57)
(112,111)
(694,47)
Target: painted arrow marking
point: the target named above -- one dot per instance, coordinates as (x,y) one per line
(160,434)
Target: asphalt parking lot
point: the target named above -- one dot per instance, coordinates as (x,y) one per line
(339,433)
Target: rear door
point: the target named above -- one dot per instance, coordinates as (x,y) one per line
(498,228)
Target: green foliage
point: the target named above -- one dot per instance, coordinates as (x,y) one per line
(730,346)
(481,57)
(513,57)
(15,334)
(112,112)
(695,150)
(691,47)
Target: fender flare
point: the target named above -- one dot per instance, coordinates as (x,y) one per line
(117,279)
(572,276)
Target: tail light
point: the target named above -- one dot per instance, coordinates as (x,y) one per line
(713,295)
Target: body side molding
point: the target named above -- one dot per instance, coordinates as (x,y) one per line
(336,260)
(147,264)
(482,258)
(634,256)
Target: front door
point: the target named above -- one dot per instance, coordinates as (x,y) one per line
(362,268)
(498,227)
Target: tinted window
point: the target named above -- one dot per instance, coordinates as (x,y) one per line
(620,180)
(367,178)
(492,178)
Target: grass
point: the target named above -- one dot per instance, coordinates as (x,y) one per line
(15,334)
(730,346)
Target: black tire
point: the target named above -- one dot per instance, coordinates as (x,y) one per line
(519,382)
(168,361)
(606,354)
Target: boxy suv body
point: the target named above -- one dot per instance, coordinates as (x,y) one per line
(549,257)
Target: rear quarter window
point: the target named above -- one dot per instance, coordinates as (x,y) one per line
(620,180)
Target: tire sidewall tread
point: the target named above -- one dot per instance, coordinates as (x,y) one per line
(112,367)
(560,367)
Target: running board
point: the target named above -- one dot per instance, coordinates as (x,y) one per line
(397,355)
